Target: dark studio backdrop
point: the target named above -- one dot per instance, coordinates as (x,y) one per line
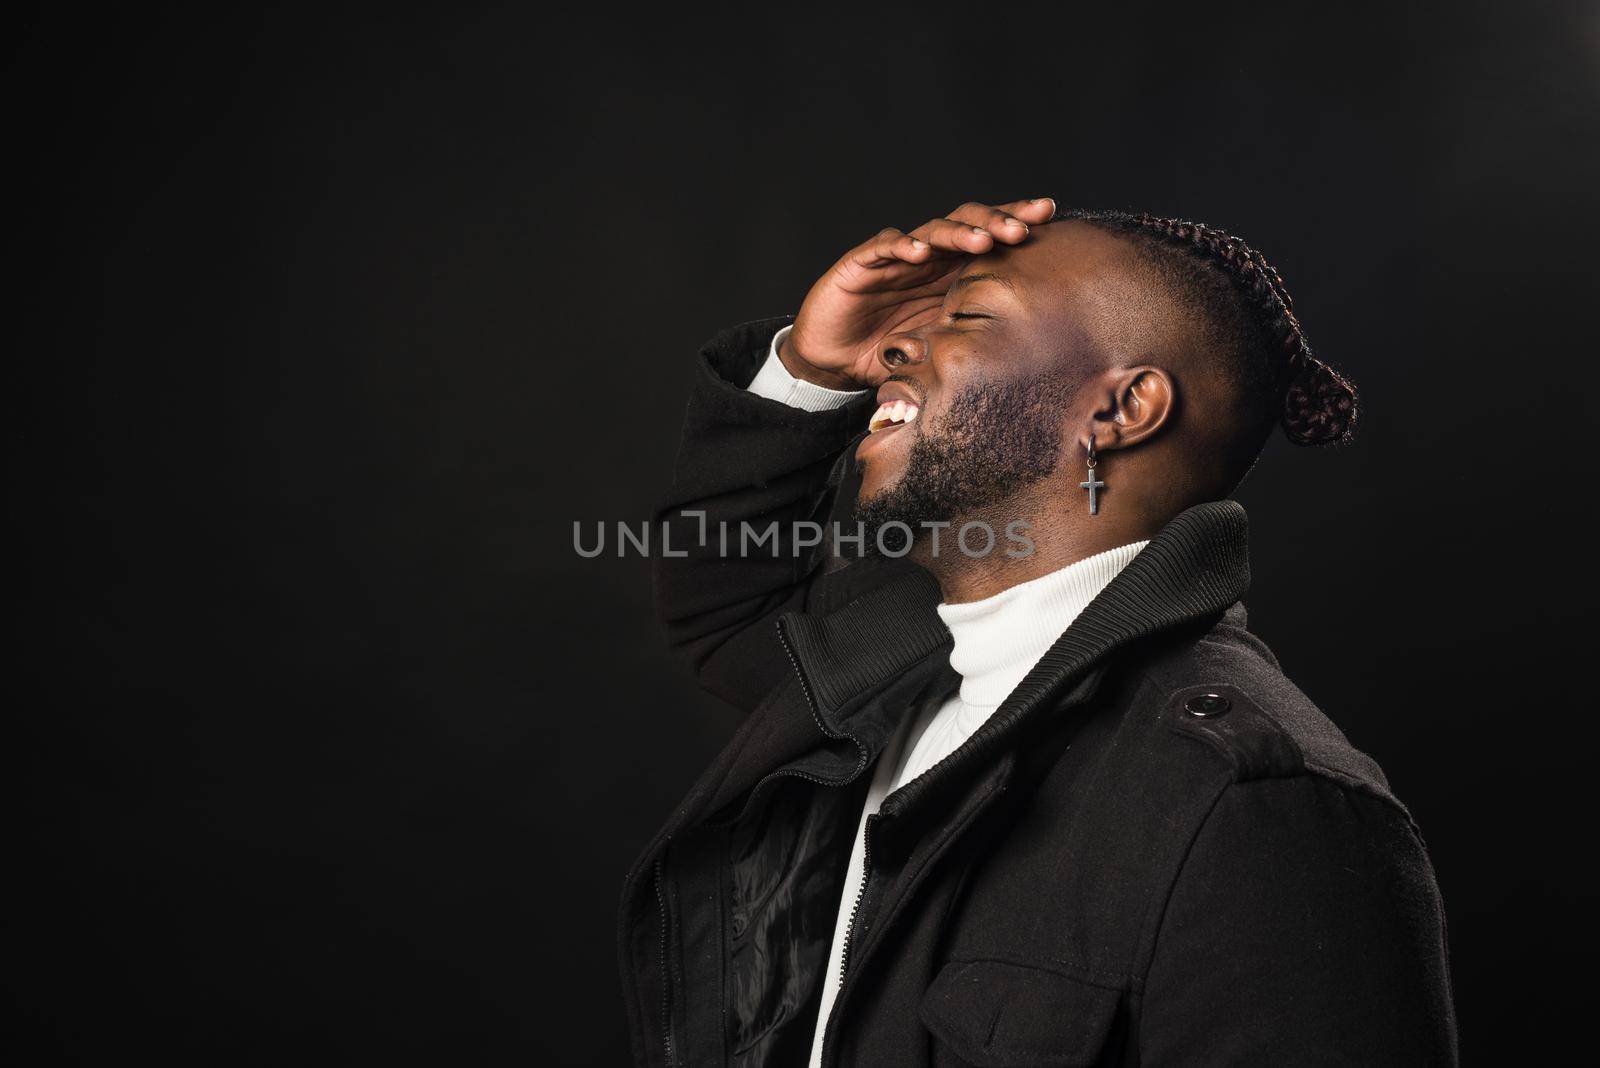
(331,750)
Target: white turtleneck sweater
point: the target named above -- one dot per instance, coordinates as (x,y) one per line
(998,640)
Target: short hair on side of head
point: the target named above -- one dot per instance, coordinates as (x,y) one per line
(1250,327)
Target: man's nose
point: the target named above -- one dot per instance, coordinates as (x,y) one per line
(897,351)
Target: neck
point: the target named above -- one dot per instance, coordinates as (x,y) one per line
(1060,537)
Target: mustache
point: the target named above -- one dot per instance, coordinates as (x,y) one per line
(913,385)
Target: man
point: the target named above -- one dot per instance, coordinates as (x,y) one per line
(1035,799)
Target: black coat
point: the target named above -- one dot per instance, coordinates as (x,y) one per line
(1156,851)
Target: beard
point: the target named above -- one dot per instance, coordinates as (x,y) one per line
(996,440)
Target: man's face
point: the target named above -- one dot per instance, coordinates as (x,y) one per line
(995,372)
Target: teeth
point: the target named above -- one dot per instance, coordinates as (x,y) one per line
(895,413)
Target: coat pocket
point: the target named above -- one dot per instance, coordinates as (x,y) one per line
(990,1013)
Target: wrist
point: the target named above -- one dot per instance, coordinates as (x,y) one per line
(797,366)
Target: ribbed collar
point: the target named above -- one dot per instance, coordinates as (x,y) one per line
(1196,565)
(998,639)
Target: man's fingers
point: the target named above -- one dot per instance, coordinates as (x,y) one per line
(1032,212)
(950,235)
(971,229)
(1006,225)
(890,245)
(997,221)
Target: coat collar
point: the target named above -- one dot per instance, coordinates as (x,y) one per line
(1196,565)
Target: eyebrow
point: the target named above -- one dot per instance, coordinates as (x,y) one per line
(983,276)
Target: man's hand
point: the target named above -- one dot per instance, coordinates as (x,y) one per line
(893,282)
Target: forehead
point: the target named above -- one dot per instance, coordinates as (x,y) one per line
(1058,259)
(1069,273)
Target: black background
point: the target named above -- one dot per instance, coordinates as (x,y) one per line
(333,323)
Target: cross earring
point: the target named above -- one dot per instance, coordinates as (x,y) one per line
(1093,485)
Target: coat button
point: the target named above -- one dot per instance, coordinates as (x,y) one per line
(1206,705)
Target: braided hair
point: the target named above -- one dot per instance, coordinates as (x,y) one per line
(1249,315)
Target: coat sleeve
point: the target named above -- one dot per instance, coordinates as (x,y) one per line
(1305,927)
(748,470)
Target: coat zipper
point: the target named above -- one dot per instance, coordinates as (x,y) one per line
(816,717)
(861,893)
(805,683)
(661,896)
(666,975)
(661,899)
(866,854)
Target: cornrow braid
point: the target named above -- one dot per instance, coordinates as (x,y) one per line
(1315,404)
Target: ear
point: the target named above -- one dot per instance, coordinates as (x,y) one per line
(1133,404)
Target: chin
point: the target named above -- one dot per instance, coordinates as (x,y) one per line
(875,482)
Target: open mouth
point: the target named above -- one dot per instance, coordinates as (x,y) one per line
(893,414)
